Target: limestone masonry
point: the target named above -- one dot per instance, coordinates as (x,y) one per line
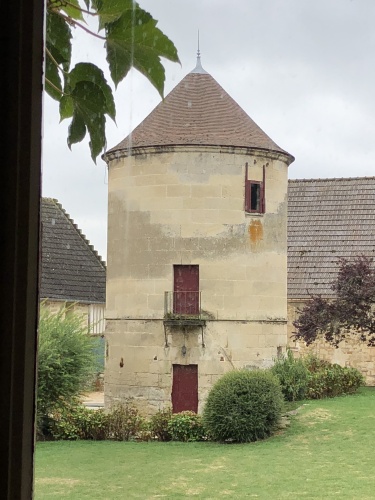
(197,249)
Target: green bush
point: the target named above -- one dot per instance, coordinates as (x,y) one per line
(125,422)
(73,421)
(159,424)
(186,426)
(66,359)
(243,406)
(293,376)
(329,380)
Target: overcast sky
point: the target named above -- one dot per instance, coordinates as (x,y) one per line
(303,70)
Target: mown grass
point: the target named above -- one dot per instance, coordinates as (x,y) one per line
(327,452)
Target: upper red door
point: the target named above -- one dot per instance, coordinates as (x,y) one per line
(185,388)
(186,289)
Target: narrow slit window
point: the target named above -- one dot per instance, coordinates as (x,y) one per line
(254,194)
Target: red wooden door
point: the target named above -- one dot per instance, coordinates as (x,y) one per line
(185,388)
(186,289)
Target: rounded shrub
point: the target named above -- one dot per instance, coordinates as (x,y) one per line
(243,406)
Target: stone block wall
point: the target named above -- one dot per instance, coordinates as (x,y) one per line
(349,353)
(186,205)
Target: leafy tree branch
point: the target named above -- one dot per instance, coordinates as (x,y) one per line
(130,37)
(349,314)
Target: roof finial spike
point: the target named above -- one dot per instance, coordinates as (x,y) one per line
(198,68)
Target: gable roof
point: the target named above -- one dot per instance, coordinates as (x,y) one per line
(70,267)
(198,111)
(327,219)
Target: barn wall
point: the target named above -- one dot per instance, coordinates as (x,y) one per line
(349,353)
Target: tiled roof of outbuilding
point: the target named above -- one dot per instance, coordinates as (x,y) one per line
(70,267)
(198,111)
(327,219)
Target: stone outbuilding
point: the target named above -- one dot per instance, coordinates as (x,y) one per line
(328,219)
(197,249)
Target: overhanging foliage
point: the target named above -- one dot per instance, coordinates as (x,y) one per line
(349,314)
(130,37)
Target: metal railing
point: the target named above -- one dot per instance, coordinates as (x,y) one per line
(182,304)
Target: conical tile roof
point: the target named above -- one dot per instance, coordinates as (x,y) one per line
(198,111)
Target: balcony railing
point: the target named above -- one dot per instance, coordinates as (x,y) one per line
(182,305)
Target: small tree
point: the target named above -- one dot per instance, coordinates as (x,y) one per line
(350,313)
(66,358)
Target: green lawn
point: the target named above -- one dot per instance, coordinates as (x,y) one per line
(327,452)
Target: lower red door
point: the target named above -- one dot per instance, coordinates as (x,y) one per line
(185,388)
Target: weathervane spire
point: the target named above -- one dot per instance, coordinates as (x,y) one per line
(198,68)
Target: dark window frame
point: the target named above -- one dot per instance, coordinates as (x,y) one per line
(257,205)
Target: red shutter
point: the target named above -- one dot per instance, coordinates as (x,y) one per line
(247,189)
(186,289)
(263,192)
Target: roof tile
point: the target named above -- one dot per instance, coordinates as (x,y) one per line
(198,111)
(70,267)
(327,219)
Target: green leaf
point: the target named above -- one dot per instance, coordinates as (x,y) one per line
(150,67)
(72,9)
(134,40)
(58,39)
(66,107)
(87,72)
(111,10)
(58,52)
(76,131)
(97,135)
(89,113)
(52,80)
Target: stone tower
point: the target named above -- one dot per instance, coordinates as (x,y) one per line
(197,249)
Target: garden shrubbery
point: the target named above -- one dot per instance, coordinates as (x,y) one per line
(125,422)
(159,424)
(328,380)
(73,420)
(122,422)
(186,426)
(67,363)
(312,378)
(243,406)
(293,375)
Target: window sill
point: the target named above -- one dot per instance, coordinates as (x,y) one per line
(254,214)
